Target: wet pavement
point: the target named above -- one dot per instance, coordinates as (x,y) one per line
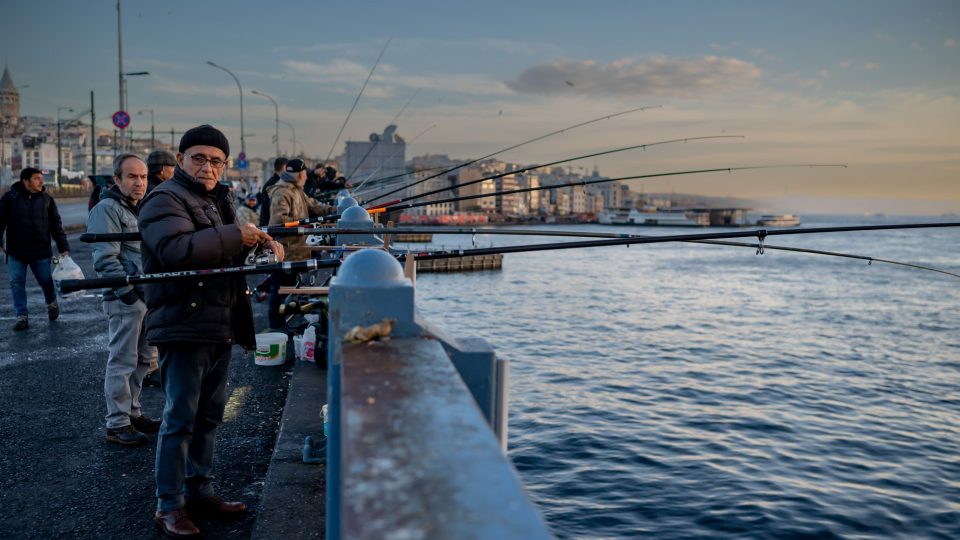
(58,477)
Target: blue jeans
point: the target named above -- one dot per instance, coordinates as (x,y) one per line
(194,380)
(18,281)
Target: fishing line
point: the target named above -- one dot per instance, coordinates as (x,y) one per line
(377,142)
(535,139)
(532,167)
(362,88)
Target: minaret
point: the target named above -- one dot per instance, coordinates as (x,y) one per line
(9,100)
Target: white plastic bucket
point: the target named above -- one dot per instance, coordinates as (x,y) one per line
(271,349)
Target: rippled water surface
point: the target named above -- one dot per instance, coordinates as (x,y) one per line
(691,391)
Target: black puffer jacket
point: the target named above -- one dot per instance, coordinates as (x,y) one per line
(186,227)
(30,221)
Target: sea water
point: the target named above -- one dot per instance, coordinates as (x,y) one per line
(691,391)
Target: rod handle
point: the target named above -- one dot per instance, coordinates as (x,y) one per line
(111,237)
(72,285)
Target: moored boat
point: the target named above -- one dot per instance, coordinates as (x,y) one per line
(781,220)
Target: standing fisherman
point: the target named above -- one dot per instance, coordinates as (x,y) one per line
(30,217)
(278,166)
(288,202)
(130,357)
(188,223)
(160,165)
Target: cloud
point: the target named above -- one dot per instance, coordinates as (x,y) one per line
(415,45)
(191,89)
(345,76)
(950,42)
(916,46)
(870,66)
(663,76)
(845,64)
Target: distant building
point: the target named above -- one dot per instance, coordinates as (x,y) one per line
(383,155)
(9,102)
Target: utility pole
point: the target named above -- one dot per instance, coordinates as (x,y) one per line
(243,142)
(59,146)
(294,131)
(153,135)
(120,72)
(276,116)
(93,138)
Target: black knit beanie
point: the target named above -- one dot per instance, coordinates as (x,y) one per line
(205,135)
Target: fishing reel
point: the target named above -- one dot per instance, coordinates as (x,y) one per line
(261,255)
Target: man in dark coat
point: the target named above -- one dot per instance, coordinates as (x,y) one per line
(278,166)
(30,218)
(160,165)
(188,223)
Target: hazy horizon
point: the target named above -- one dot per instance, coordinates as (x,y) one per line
(874,85)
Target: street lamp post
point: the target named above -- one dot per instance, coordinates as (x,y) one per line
(294,131)
(243,142)
(153,135)
(59,148)
(276,116)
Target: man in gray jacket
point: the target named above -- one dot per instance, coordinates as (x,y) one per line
(130,355)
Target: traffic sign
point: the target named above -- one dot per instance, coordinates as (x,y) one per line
(121,119)
(241,156)
(242,163)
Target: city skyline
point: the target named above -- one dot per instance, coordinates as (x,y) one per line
(873,85)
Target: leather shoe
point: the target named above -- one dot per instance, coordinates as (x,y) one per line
(145,424)
(176,524)
(214,507)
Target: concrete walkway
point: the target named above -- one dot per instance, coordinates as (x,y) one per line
(60,479)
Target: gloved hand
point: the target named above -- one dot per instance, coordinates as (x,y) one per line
(130,297)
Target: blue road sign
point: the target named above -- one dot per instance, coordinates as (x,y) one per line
(242,164)
(121,119)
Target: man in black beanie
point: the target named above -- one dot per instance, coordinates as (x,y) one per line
(188,223)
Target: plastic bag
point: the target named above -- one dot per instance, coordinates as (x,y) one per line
(66,268)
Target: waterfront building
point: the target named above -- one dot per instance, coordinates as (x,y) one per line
(383,155)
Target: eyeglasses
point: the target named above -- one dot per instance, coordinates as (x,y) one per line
(200,160)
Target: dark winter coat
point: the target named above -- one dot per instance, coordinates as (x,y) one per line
(30,220)
(153,180)
(264,199)
(186,227)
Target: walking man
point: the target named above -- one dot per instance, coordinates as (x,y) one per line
(30,218)
(130,356)
(188,223)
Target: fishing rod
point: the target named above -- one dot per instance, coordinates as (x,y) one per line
(760,234)
(400,207)
(71,285)
(362,88)
(395,154)
(535,139)
(377,142)
(394,178)
(532,167)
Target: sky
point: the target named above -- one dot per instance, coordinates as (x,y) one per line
(873,85)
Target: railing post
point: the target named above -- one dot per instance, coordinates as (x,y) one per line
(369,287)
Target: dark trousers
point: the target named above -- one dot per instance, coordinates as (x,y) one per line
(194,380)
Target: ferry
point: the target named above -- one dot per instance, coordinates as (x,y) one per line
(782,220)
(655,217)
